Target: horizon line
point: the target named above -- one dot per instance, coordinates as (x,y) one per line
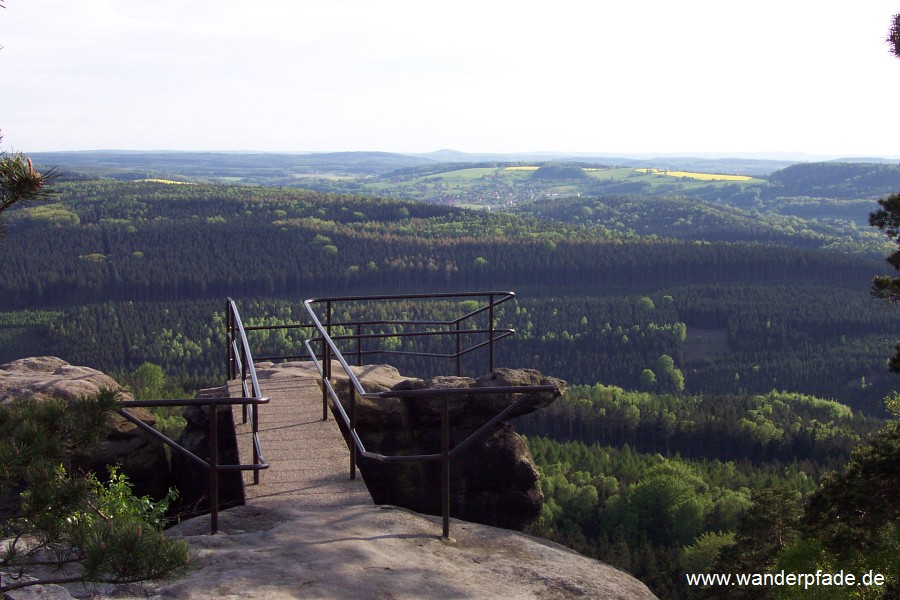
(748,155)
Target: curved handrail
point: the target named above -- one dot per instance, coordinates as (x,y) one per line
(239,357)
(245,346)
(243,357)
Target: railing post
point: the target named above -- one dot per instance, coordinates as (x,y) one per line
(255,426)
(352,429)
(328,330)
(358,345)
(213,468)
(326,361)
(229,366)
(458,350)
(491,333)
(230,330)
(244,410)
(445,466)
(325,355)
(244,368)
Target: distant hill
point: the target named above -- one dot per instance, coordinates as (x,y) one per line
(740,166)
(131,165)
(687,218)
(452,177)
(839,180)
(125,164)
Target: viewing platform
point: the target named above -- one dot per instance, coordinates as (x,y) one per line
(309,461)
(292,453)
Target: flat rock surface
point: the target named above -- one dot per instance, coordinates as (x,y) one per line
(370,553)
(44,377)
(367,553)
(384,376)
(291,543)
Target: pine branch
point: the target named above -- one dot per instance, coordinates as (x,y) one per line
(22,584)
(19,182)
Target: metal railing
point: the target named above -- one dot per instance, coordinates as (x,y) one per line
(433,328)
(467,337)
(240,360)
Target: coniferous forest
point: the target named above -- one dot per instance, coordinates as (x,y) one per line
(725,359)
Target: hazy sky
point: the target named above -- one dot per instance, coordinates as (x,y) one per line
(601,76)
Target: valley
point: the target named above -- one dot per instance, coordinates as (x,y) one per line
(714,321)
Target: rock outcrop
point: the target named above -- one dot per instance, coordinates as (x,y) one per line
(282,550)
(141,456)
(192,480)
(494,481)
(44,377)
(364,552)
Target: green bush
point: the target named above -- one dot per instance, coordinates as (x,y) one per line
(69,526)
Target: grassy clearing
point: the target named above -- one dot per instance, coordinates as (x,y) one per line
(323,176)
(461,174)
(56,214)
(505,185)
(622,173)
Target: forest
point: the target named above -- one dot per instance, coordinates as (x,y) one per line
(735,315)
(720,343)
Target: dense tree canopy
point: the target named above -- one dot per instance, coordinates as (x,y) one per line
(708,298)
(887,219)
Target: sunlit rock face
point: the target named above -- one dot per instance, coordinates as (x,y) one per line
(141,456)
(494,481)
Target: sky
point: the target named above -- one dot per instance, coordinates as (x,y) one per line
(619,77)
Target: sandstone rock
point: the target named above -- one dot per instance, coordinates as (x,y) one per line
(44,377)
(494,481)
(518,377)
(363,552)
(377,377)
(141,456)
(385,419)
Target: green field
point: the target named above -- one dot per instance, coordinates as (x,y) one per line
(498,186)
(661,179)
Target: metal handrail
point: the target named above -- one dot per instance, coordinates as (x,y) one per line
(495,298)
(240,359)
(330,349)
(213,464)
(237,358)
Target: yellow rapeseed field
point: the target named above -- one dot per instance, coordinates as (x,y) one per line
(521,168)
(169,181)
(697,176)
